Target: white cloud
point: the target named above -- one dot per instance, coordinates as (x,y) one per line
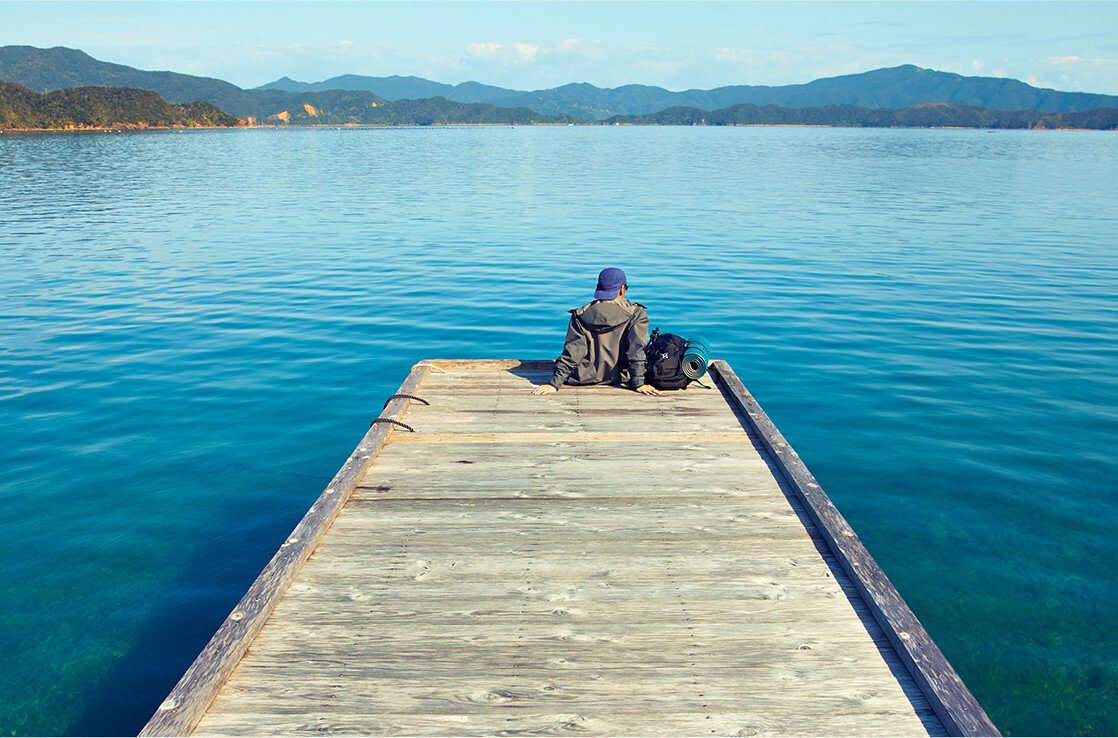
(1080,60)
(486,49)
(1089,74)
(535,65)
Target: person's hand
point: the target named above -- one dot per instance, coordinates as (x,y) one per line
(544,389)
(648,389)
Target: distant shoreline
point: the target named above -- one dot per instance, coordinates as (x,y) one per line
(144,129)
(122,129)
(124,108)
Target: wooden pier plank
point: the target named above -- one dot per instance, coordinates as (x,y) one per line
(611,723)
(480,694)
(592,560)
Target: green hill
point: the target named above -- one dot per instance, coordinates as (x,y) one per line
(58,68)
(47,70)
(440,111)
(928,115)
(339,107)
(332,107)
(102,107)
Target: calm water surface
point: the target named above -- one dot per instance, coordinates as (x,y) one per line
(195,329)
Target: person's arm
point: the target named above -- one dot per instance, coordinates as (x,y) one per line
(574,350)
(636,338)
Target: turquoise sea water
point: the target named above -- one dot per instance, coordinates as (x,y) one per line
(196,328)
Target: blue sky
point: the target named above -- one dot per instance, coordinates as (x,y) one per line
(528,45)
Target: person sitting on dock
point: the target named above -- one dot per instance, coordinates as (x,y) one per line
(605,341)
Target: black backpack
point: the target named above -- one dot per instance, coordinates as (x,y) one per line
(664,354)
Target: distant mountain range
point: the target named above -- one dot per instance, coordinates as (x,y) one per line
(925,115)
(102,107)
(895,87)
(398,88)
(904,95)
(58,68)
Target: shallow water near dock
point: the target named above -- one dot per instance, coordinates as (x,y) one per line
(197,328)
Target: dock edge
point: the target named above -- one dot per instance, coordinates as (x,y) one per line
(952,701)
(182,710)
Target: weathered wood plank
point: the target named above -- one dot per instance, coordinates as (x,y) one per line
(602,409)
(591,510)
(634,601)
(792,675)
(561,470)
(686,449)
(718,691)
(738,602)
(484,561)
(514,403)
(517,391)
(952,701)
(613,723)
(543,516)
(314,607)
(599,599)
(556,437)
(560,491)
(430,574)
(708,559)
(184,706)
(499,402)
(566,459)
(590,429)
(769,669)
(840,630)
(619,536)
(609,643)
(405,547)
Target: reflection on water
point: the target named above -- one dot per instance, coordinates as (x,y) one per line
(196,328)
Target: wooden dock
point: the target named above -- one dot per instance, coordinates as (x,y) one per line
(592,561)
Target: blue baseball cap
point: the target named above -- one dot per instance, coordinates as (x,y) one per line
(610,282)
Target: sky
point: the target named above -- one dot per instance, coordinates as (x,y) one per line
(532,45)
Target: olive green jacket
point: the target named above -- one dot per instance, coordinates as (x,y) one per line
(605,345)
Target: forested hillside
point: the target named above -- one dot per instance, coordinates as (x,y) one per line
(102,107)
(935,115)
